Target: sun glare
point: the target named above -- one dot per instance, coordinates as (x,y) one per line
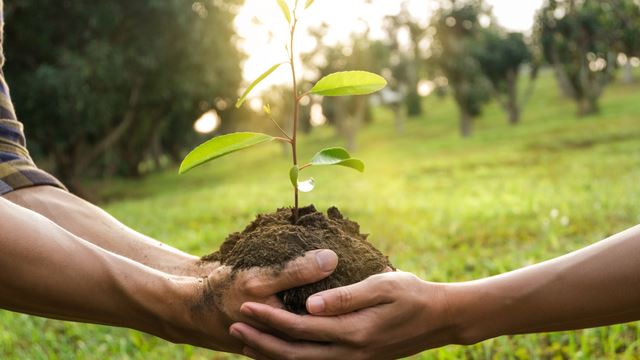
(207,123)
(264,33)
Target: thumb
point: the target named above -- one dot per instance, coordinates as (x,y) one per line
(347,299)
(312,267)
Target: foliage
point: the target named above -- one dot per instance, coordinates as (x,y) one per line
(457,30)
(627,32)
(346,83)
(501,56)
(446,209)
(408,65)
(578,38)
(626,14)
(347,115)
(122,75)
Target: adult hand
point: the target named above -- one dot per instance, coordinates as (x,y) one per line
(386,316)
(226,292)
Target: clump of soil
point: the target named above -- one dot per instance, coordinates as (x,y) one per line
(272,240)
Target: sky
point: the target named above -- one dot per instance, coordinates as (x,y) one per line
(264,31)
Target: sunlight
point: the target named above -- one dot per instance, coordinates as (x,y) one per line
(264,33)
(207,123)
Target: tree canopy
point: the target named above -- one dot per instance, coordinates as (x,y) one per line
(129,75)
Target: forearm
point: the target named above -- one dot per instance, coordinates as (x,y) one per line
(46,271)
(596,286)
(96,226)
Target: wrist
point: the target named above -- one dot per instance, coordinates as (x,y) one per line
(192,316)
(471,312)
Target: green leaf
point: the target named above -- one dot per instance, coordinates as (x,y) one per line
(349,83)
(285,10)
(293,175)
(257,81)
(309,3)
(221,146)
(303,186)
(337,156)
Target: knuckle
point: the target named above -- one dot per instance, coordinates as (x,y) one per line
(384,285)
(345,298)
(298,273)
(297,327)
(253,286)
(360,339)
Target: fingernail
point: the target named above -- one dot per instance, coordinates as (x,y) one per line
(246,309)
(235,333)
(315,304)
(326,260)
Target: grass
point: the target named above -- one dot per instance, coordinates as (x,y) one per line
(445,208)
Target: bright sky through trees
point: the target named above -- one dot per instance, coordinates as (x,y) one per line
(264,33)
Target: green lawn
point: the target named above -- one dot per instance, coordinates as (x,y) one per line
(442,207)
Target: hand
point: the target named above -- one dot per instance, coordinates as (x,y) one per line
(217,301)
(386,316)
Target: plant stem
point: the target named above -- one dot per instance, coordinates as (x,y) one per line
(280,128)
(287,139)
(296,110)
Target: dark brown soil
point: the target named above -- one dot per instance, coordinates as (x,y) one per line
(272,240)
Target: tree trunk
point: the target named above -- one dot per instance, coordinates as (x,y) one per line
(465,124)
(155,149)
(349,116)
(414,103)
(564,84)
(175,153)
(588,106)
(513,108)
(84,159)
(400,118)
(627,75)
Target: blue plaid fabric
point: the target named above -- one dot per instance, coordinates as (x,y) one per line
(17,169)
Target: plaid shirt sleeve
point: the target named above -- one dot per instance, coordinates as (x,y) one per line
(17,169)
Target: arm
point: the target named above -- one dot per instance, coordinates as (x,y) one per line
(396,314)
(92,224)
(596,286)
(47,271)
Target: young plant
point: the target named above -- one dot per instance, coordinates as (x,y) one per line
(345,83)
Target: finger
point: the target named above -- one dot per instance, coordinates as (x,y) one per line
(312,328)
(312,267)
(264,346)
(343,300)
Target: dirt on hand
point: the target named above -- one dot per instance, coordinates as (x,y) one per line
(272,240)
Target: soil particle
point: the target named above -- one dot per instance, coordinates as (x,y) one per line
(272,240)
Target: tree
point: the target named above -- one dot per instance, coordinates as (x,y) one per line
(501,56)
(407,64)
(347,115)
(113,78)
(577,38)
(457,28)
(627,32)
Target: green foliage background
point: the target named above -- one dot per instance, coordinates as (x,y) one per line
(444,208)
(102,86)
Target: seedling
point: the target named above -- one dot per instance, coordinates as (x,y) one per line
(345,83)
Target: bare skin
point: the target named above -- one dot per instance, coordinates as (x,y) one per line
(93,224)
(46,270)
(393,315)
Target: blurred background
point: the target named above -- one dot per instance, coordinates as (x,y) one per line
(509,134)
